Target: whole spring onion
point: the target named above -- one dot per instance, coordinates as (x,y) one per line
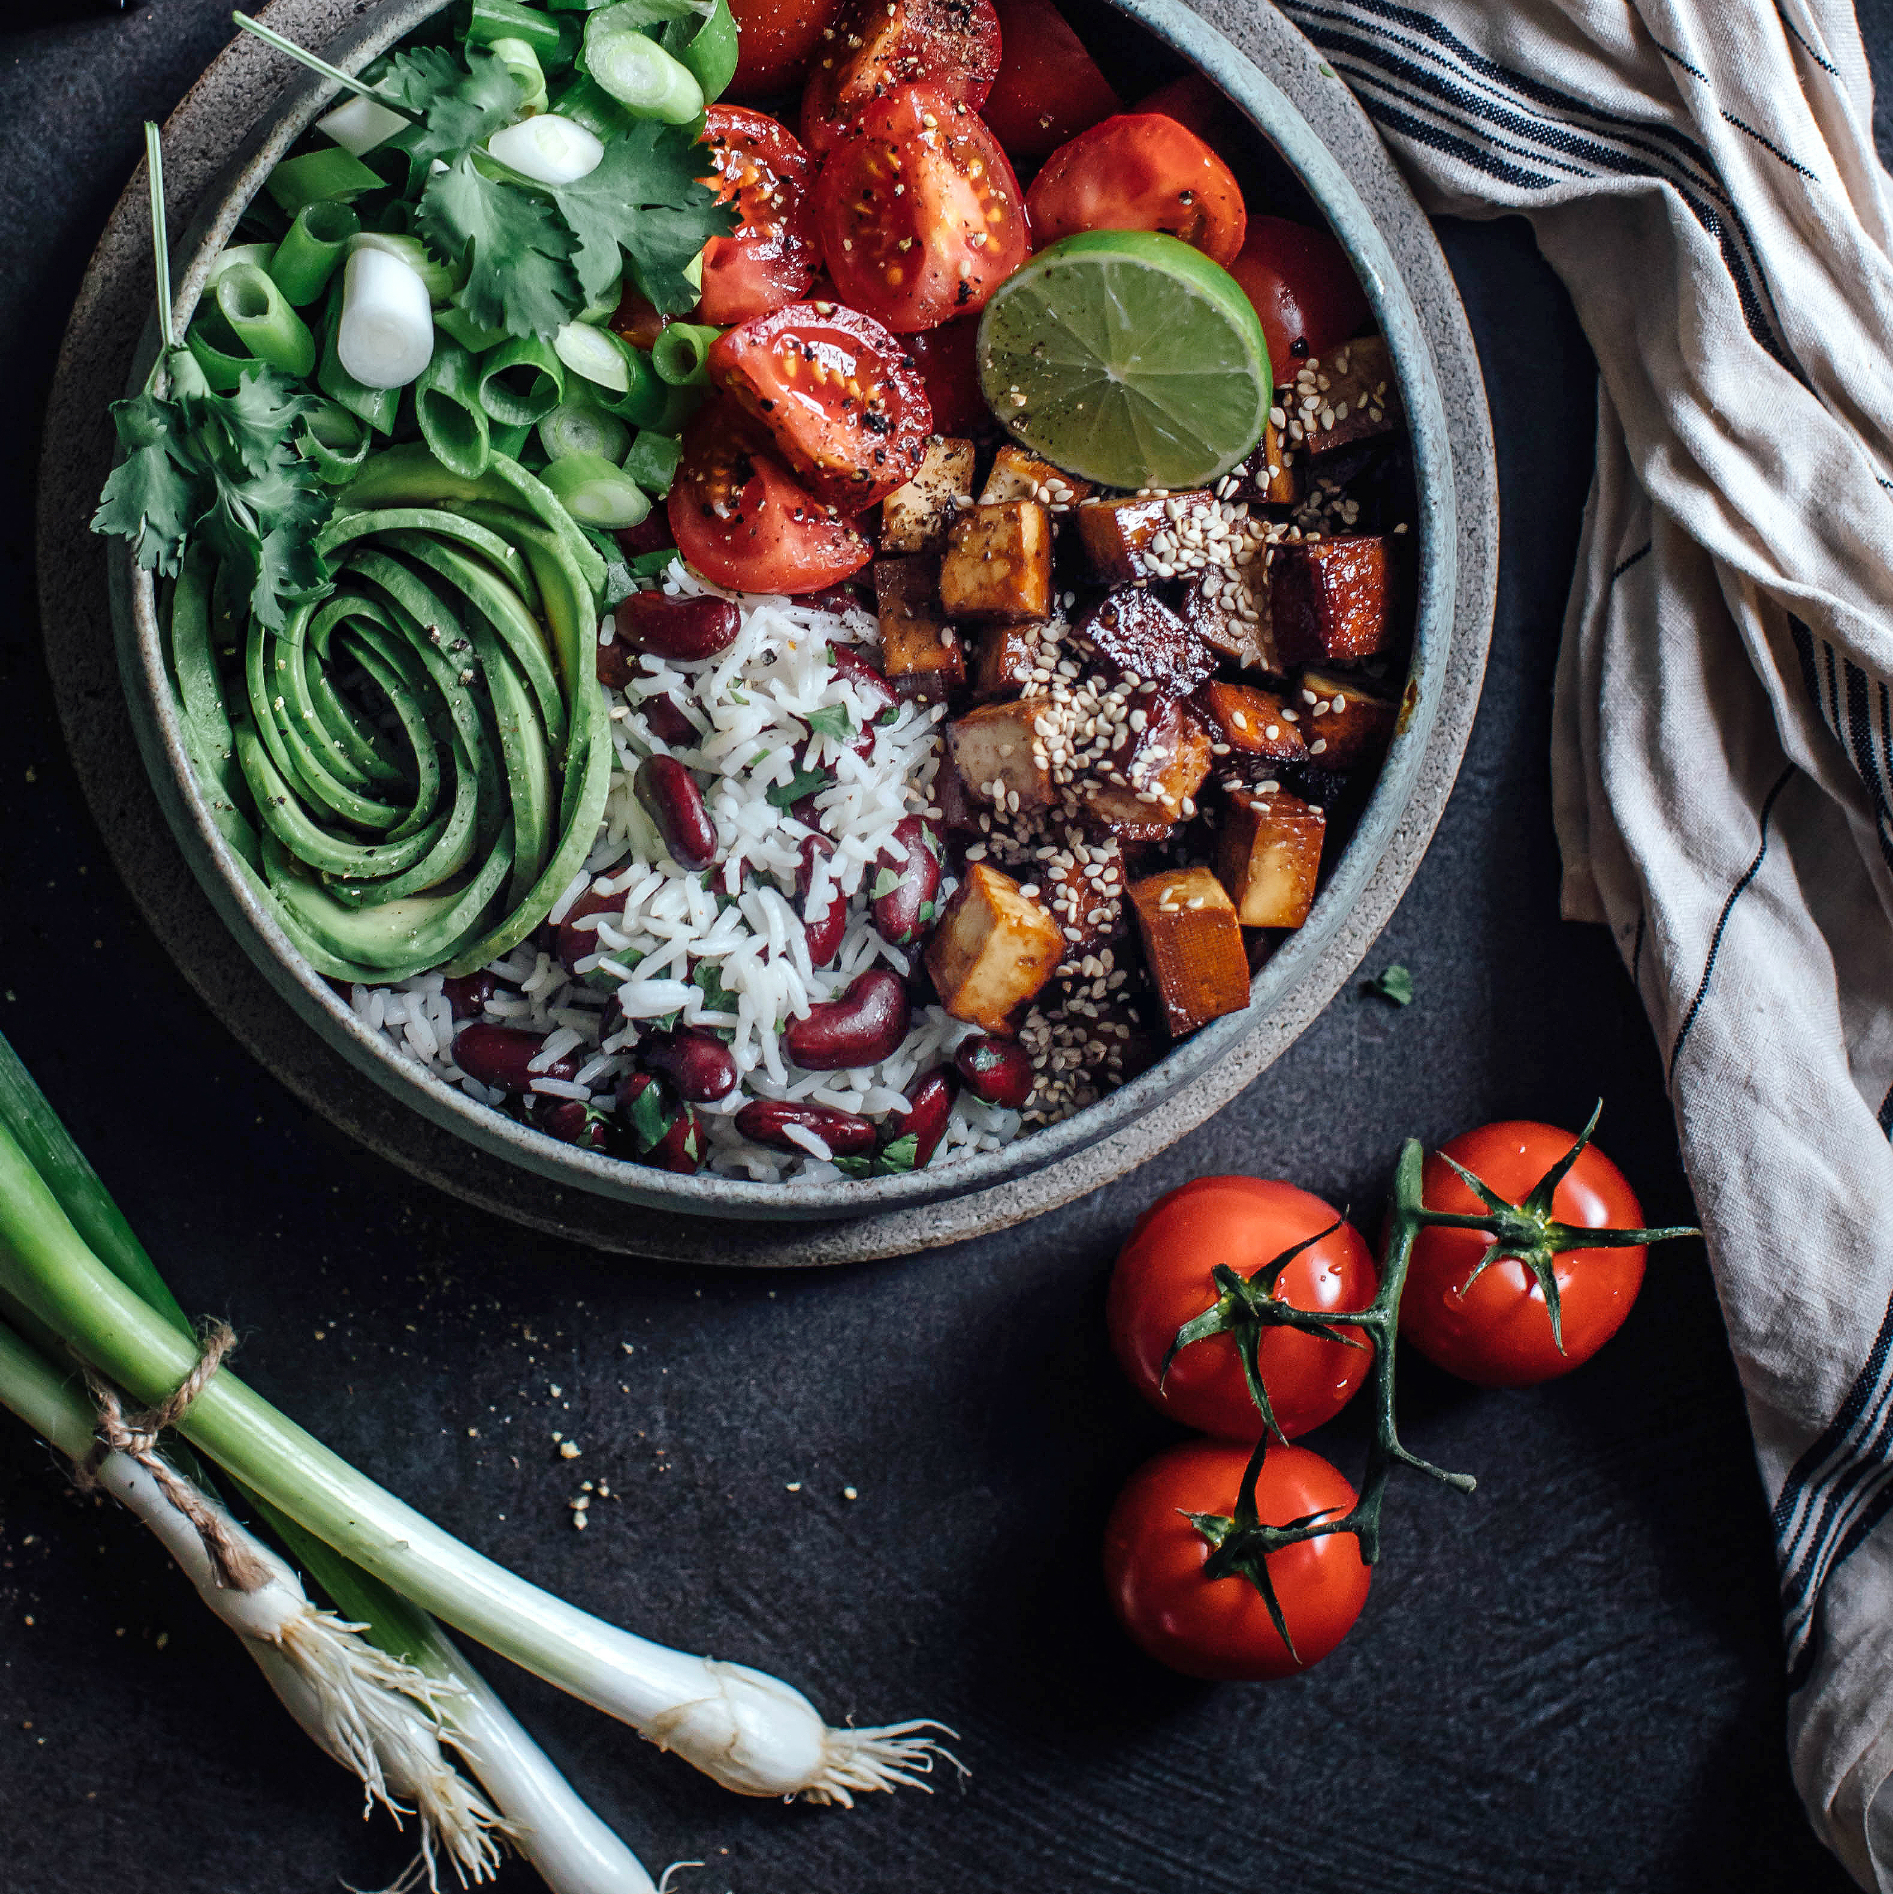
(447,405)
(578,426)
(440,279)
(386,332)
(262,320)
(596,492)
(522,62)
(597,354)
(548,148)
(359,125)
(312,250)
(681,351)
(748,1731)
(521,382)
(646,80)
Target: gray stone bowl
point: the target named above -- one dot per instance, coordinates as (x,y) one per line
(254,105)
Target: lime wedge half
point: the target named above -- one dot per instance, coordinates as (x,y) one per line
(1127,358)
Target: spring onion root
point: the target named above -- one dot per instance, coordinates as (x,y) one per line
(548,148)
(386,334)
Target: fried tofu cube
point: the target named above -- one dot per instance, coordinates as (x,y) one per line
(959,813)
(1017,475)
(1268,856)
(1136,538)
(1132,633)
(1344,724)
(1193,943)
(1255,722)
(920,652)
(1005,658)
(998,563)
(1084,888)
(993,950)
(1230,613)
(1277,469)
(1155,777)
(915,518)
(1001,757)
(1329,598)
(1360,398)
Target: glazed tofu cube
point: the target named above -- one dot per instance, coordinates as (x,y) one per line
(915,518)
(1132,633)
(998,563)
(1272,475)
(1001,757)
(959,813)
(1328,599)
(1193,943)
(1255,722)
(1137,538)
(993,949)
(920,652)
(1355,394)
(1083,885)
(1156,775)
(1268,854)
(1344,724)
(1006,655)
(1230,613)
(1017,475)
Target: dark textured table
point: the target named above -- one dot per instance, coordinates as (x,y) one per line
(1569,1681)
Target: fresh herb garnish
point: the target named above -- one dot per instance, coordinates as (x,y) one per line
(805,782)
(831,720)
(892,1160)
(650,1119)
(1395,985)
(884,884)
(717,998)
(514,247)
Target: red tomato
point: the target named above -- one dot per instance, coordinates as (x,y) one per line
(1154,1558)
(773,41)
(881,45)
(948,361)
(920,215)
(1194,101)
(1163,1280)
(838,393)
(742,520)
(1048,89)
(637,320)
(1140,171)
(1303,288)
(1498,1332)
(771,257)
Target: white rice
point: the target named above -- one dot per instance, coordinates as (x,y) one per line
(748,707)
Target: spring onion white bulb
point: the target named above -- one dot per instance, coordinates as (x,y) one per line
(359,125)
(441,281)
(386,334)
(548,149)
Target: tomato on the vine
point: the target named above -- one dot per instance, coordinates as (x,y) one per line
(879,46)
(1163,1281)
(743,520)
(1303,287)
(1497,1332)
(771,257)
(1221,1628)
(1139,171)
(1049,88)
(920,215)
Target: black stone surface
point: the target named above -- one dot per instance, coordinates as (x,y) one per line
(1569,1682)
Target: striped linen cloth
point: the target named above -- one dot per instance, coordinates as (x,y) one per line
(1702,174)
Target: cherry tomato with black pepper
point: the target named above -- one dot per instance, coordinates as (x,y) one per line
(1163,1281)
(774,41)
(1220,1627)
(879,46)
(1049,88)
(1497,1331)
(772,255)
(1303,287)
(948,361)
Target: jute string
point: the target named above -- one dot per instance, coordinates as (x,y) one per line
(136,1435)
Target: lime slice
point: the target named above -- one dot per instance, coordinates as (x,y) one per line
(1127,358)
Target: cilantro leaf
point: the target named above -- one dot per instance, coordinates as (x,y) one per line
(805,782)
(831,720)
(884,884)
(646,199)
(620,578)
(1396,984)
(717,998)
(519,276)
(458,113)
(148,499)
(415,77)
(854,1166)
(900,1155)
(650,1119)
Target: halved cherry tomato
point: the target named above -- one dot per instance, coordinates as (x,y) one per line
(774,39)
(639,321)
(1154,1559)
(838,393)
(881,45)
(771,257)
(1163,1280)
(743,520)
(1140,171)
(1303,288)
(1498,1332)
(920,214)
(948,360)
(1049,89)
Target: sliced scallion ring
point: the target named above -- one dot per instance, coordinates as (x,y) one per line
(578,426)
(596,492)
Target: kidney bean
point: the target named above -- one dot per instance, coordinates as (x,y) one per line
(845,1134)
(614,665)
(670,793)
(868,678)
(469,994)
(930,1099)
(845,597)
(569,1120)
(651,534)
(667,1134)
(668,722)
(681,629)
(863,1027)
(503,1056)
(905,913)
(576,942)
(824,936)
(997,1070)
(696,1062)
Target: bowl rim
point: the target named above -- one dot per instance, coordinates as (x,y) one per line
(223,877)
